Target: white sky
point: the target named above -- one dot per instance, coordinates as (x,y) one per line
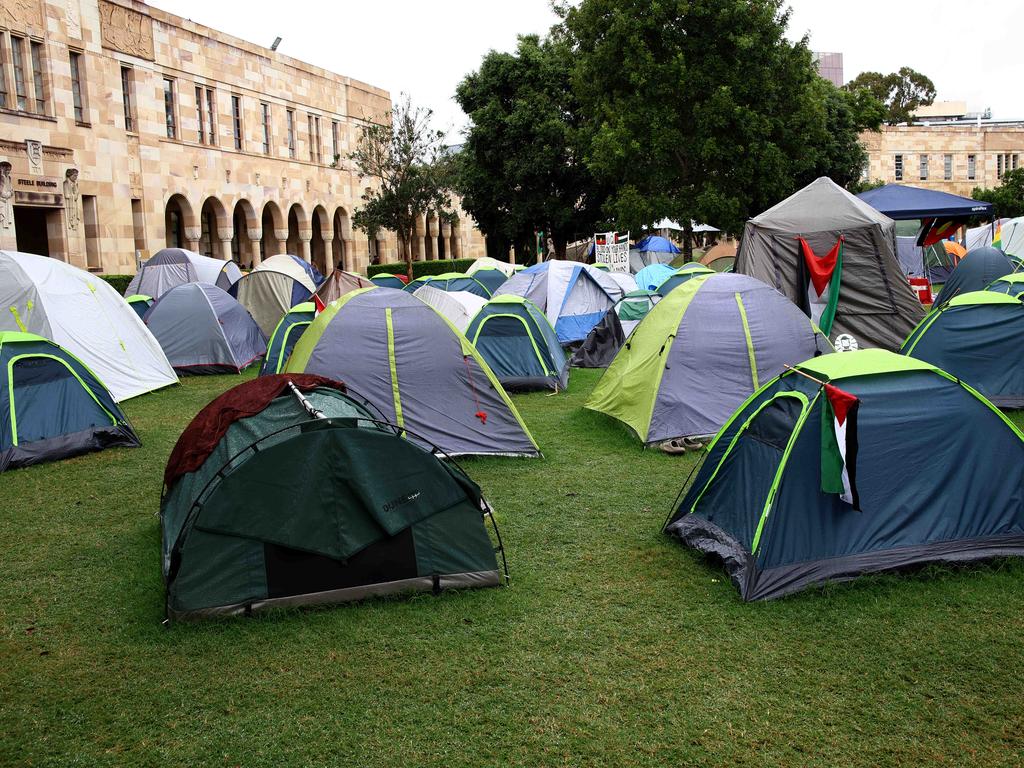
(424,48)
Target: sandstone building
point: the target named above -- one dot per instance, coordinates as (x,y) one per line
(951,155)
(125,129)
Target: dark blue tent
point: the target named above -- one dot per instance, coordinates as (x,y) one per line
(975,272)
(491,278)
(900,202)
(977,338)
(656,244)
(388,280)
(282,340)
(768,503)
(56,407)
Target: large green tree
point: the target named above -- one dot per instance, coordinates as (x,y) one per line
(407,160)
(1008,197)
(839,152)
(521,169)
(902,92)
(696,108)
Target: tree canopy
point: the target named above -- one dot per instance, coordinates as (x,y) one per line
(901,92)
(521,168)
(1008,198)
(407,159)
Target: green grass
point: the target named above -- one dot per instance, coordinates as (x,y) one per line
(612,646)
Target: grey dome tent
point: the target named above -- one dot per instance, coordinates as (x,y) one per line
(171,267)
(416,369)
(975,272)
(379,516)
(791,494)
(867,293)
(699,353)
(204,330)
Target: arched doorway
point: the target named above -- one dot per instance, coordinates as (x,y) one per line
(318,246)
(243,218)
(342,230)
(272,221)
(212,219)
(177,216)
(296,225)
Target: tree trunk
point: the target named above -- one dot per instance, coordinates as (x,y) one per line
(687,239)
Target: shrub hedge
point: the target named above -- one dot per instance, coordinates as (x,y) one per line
(118,282)
(421,268)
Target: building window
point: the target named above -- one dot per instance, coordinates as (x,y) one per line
(76,86)
(211,132)
(290,115)
(971,167)
(899,167)
(236,120)
(999,166)
(336,153)
(18,60)
(126,97)
(312,143)
(3,75)
(265,109)
(200,121)
(319,141)
(947,167)
(169,119)
(37,76)
(1014,159)
(923,174)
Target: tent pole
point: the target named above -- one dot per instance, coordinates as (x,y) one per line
(307,406)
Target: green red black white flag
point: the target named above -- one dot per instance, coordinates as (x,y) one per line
(823,275)
(839,445)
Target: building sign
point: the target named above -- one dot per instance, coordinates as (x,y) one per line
(612,248)
(36,190)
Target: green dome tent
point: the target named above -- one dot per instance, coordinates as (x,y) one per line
(682,275)
(829,472)
(285,335)
(54,406)
(1009,284)
(364,511)
(451,281)
(519,344)
(416,369)
(140,303)
(699,353)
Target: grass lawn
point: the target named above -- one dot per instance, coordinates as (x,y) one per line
(613,646)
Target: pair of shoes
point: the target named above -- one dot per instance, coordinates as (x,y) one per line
(681,445)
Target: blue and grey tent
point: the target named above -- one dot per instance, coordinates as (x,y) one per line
(202,329)
(282,340)
(519,344)
(491,278)
(975,272)
(607,337)
(784,505)
(976,337)
(574,296)
(652,249)
(653,275)
(451,281)
(140,303)
(388,280)
(681,275)
(55,406)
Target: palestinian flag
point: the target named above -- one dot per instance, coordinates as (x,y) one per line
(839,445)
(318,305)
(823,276)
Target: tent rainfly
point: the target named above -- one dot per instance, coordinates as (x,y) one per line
(171,267)
(458,307)
(338,283)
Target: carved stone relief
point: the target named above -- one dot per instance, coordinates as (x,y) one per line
(20,14)
(126,30)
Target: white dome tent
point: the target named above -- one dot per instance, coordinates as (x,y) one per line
(83,314)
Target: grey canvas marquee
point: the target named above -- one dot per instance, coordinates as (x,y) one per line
(876,304)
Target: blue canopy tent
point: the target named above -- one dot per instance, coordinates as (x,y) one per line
(940,213)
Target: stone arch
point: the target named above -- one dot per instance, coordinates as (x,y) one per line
(179,223)
(274,232)
(245,233)
(214,229)
(341,243)
(321,233)
(299,231)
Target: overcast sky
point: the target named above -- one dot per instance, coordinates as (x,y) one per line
(970,50)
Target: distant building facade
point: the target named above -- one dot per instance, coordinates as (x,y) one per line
(830,67)
(125,129)
(949,155)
